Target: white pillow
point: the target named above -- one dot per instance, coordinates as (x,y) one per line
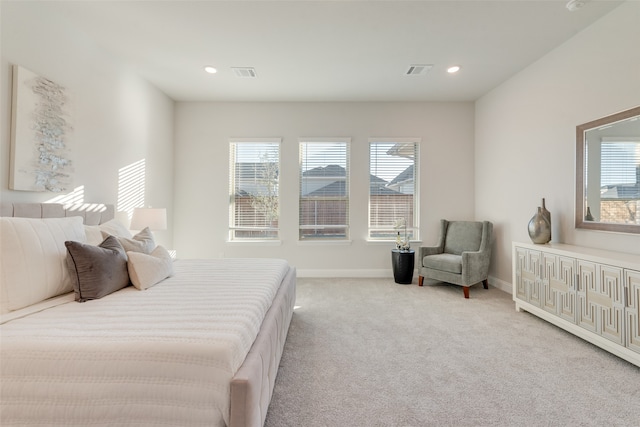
(33,259)
(115,228)
(145,270)
(94,235)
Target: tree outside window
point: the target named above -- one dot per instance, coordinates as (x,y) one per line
(254,190)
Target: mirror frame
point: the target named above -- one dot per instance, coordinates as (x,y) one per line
(580,178)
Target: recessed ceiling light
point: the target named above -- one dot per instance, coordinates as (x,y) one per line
(574,5)
(210,70)
(453,69)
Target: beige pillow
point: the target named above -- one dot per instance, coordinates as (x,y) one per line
(97,271)
(32,259)
(148,270)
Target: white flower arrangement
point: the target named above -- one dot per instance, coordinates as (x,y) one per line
(402,244)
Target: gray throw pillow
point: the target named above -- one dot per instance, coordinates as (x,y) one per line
(141,242)
(97,271)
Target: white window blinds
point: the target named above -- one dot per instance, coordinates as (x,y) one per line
(619,180)
(254,189)
(393,188)
(620,162)
(324,189)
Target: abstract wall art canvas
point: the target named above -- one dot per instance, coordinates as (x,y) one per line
(40,134)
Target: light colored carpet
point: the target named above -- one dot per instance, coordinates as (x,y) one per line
(370,352)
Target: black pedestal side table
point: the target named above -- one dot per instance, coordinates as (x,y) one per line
(402,263)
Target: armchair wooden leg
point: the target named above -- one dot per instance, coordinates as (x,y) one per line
(485,283)
(420,280)
(465,289)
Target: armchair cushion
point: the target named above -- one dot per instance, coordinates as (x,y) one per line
(463,236)
(444,262)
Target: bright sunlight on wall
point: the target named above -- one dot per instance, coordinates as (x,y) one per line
(75,197)
(131,186)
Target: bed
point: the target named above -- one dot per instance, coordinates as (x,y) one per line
(200,347)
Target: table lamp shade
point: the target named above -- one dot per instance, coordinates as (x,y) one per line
(154,218)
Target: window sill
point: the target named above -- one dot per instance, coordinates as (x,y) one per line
(254,242)
(391,242)
(320,242)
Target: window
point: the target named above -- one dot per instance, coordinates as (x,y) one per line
(254,189)
(324,189)
(393,188)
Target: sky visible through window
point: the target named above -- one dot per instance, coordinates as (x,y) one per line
(251,152)
(317,153)
(386,166)
(619,162)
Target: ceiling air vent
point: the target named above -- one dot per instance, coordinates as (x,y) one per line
(418,69)
(245,72)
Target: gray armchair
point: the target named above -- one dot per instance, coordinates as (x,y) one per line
(462,256)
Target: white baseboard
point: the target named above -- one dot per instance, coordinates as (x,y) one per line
(381,273)
(501,284)
(346,273)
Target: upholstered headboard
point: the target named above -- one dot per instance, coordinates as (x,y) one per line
(92,214)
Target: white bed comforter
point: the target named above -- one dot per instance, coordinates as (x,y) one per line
(164,356)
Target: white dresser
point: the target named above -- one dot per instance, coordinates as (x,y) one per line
(591,293)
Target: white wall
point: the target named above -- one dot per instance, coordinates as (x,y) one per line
(525,133)
(524,141)
(118,118)
(202,163)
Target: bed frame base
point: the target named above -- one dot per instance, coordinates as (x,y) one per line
(252,386)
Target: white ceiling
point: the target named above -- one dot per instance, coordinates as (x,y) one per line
(327,50)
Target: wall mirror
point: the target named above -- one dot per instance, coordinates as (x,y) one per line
(608,173)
